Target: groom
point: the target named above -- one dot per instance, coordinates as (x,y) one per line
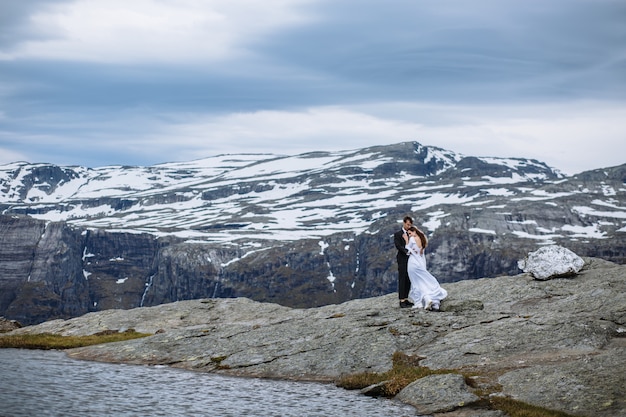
(404,284)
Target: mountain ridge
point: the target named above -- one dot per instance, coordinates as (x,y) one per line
(129,194)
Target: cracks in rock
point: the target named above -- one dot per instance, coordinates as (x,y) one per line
(264,362)
(267,352)
(487,321)
(459,326)
(269,360)
(377,324)
(421,323)
(204,333)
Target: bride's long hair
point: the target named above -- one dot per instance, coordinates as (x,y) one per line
(422,237)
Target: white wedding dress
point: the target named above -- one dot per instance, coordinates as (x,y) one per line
(425,289)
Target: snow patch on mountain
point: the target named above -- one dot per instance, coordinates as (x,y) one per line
(314,195)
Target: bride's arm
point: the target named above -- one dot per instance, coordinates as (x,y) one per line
(410,246)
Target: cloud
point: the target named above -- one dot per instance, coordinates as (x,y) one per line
(313,129)
(14,20)
(118,31)
(8,155)
(505,50)
(97,82)
(570,137)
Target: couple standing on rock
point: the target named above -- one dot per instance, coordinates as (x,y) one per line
(417,288)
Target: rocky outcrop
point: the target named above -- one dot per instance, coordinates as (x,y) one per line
(559,344)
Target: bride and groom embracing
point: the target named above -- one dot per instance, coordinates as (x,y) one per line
(417,288)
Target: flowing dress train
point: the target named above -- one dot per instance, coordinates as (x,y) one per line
(425,289)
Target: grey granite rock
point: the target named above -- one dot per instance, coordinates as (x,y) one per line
(473,412)
(554,384)
(437,393)
(559,343)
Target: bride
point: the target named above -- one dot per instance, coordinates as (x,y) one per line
(425,289)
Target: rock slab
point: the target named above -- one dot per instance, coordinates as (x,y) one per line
(438,393)
(559,344)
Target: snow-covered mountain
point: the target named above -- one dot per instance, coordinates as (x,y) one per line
(299,230)
(283,197)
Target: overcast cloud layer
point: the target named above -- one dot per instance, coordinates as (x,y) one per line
(95,82)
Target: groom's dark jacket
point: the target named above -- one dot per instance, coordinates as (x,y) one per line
(404,284)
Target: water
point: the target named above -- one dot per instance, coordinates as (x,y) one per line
(48,383)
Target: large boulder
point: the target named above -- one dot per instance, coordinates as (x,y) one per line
(551,262)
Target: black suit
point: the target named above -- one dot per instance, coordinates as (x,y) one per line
(404,284)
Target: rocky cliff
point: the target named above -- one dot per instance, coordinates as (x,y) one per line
(301,231)
(558,344)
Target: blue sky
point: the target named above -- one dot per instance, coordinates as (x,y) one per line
(95,82)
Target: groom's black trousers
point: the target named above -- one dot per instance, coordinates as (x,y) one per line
(404,284)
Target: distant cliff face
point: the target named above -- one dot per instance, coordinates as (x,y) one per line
(56,271)
(301,231)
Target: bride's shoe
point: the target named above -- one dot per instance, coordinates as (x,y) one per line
(428,304)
